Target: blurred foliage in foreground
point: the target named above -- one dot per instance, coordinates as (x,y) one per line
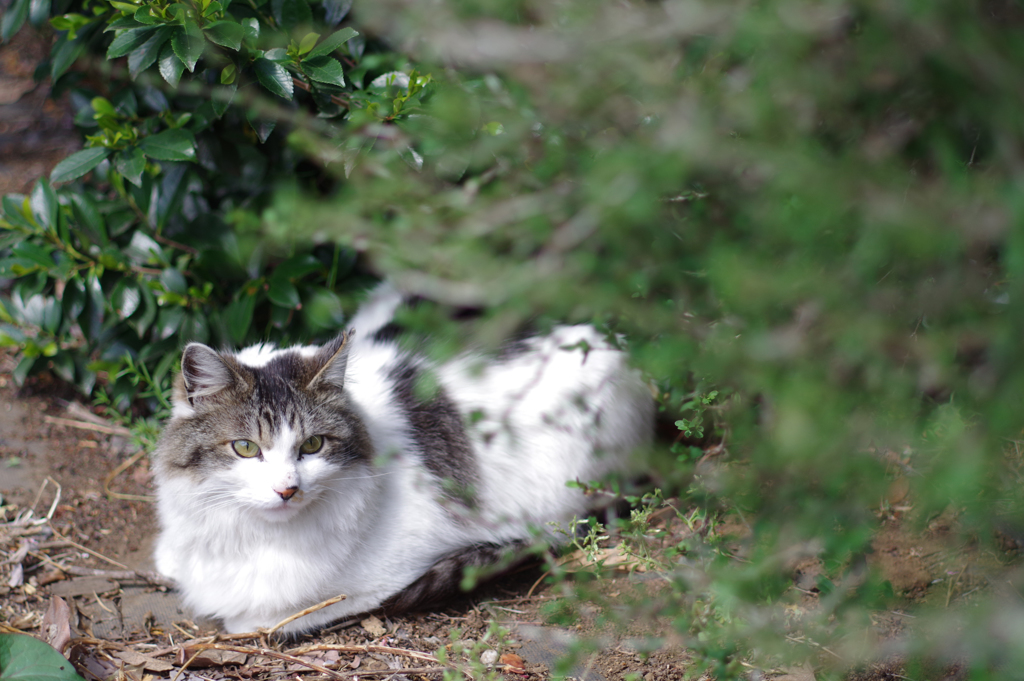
(813,208)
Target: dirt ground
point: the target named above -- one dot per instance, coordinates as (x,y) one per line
(56,461)
(77,522)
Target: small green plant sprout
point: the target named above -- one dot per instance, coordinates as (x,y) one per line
(693,427)
(474,659)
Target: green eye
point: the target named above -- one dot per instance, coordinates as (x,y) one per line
(245,448)
(312,445)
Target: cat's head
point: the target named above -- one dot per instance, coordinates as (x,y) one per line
(265,431)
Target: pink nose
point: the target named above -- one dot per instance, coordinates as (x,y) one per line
(288,493)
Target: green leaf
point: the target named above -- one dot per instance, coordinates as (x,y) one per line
(143,57)
(262,127)
(88,217)
(13,19)
(126,298)
(333,42)
(308,42)
(143,249)
(44,204)
(188,43)
(283,293)
(170,145)
(227,75)
(96,307)
(291,13)
(34,253)
(73,300)
(65,52)
(238,316)
(126,103)
(195,327)
(226,34)
(170,66)
(274,77)
(14,207)
(168,321)
(19,374)
(220,98)
(144,16)
(278,54)
(174,281)
(324,70)
(38,12)
(124,6)
(78,164)
(251,28)
(131,163)
(121,22)
(127,40)
(297,267)
(103,107)
(145,320)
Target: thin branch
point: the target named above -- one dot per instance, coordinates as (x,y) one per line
(387,650)
(303,613)
(264,652)
(85,425)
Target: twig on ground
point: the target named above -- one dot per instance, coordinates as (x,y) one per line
(952,584)
(95,554)
(413,654)
(303,613)
(264,652)
(407,670)
(183,667)
(537,583)
(149,577)
(125,465)
(85,425)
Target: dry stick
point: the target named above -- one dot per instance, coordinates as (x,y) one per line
(952,585)
(408,670)
(303,613)
(187,663)
(529,594)
(265,652)
(125,465)
(85,425)
(151,577)
(96,554)
(413,654)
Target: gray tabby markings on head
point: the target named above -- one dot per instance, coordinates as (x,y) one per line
(233,399)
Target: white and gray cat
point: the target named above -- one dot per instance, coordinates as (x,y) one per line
(288,476)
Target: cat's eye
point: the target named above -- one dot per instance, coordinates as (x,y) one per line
(312,445)
(245,448)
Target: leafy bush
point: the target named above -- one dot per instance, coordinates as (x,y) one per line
(156,247)
(811,208)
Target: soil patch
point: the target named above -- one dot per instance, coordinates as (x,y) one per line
(77,523)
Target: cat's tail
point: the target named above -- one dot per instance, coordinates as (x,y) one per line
(376,313)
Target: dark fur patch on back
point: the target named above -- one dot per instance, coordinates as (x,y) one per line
(438,429)
(387,333)
(442,580)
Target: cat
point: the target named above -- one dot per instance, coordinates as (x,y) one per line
(287,476)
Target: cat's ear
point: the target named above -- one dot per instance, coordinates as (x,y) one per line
(330,362)
(204,372)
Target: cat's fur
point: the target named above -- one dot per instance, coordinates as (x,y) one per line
(408,488)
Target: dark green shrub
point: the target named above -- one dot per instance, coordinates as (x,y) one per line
(810,207)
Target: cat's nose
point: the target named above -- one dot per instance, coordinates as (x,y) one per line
(288,493)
